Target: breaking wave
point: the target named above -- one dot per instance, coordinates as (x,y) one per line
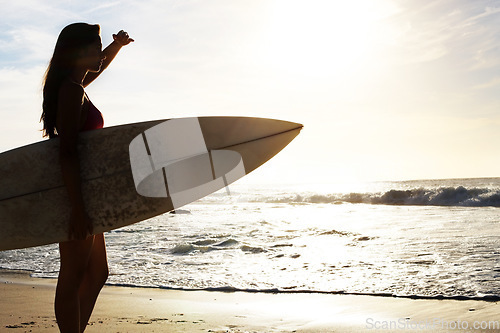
(444,196)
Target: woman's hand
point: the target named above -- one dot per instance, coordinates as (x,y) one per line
(80,225)
(122,38)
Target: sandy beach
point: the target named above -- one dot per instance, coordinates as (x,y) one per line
(26,305)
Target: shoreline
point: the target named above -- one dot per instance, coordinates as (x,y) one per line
(27,304)
(487,298)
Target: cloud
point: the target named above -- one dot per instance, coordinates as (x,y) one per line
(494,82)
(20,96)
(458,29)
(488,11)
(44,14)
(25,45)
(423,38)
(101,7)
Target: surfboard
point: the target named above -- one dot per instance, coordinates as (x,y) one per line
(131,173)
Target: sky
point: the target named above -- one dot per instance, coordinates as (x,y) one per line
(385,89)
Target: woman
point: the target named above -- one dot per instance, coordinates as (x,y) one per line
(78,60)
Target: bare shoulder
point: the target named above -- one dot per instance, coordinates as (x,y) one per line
(70,91)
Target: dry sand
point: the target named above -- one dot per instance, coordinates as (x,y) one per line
(26,305)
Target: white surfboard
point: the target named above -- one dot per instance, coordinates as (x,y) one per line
(131,173)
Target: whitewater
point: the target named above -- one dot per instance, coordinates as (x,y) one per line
(424,238)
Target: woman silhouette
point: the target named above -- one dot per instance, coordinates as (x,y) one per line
(77,61)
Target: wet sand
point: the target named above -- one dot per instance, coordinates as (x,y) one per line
(26,305)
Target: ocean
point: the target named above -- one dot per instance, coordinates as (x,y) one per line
(418,239)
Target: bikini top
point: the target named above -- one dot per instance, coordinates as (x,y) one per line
(94,118)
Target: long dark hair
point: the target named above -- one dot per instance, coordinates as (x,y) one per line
(72,39)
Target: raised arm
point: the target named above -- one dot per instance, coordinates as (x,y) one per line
(119,40)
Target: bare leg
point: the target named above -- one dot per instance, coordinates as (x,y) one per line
(94,279)
(74,259)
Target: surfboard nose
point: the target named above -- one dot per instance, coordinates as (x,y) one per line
(225,132)
(255,139)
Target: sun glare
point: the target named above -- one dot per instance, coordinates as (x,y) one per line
(322,37)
